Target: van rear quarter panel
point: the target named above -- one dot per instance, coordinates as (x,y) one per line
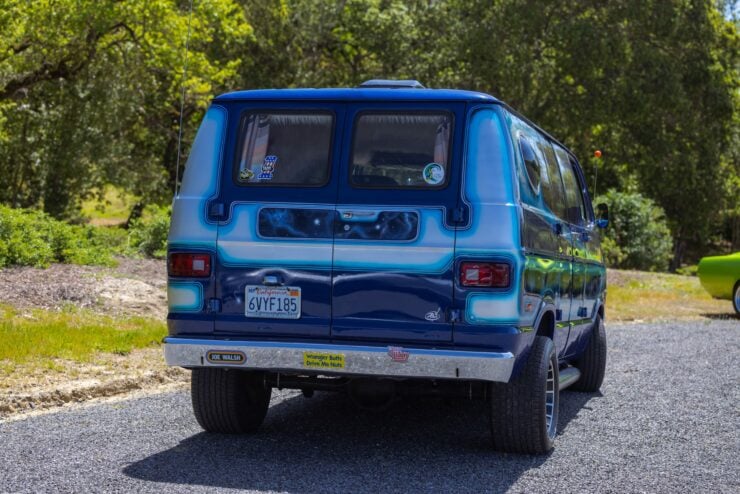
(490,318)
(192,231)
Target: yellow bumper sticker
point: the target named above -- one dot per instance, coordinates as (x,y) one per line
(319,360)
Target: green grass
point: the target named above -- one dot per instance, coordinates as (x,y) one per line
(113,209)
(633,295)
(37,336)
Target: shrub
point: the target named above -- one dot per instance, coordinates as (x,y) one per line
(638,236)
(148,234)
(32,238)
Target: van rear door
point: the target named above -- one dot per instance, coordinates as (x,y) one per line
(275,237)
(396,212)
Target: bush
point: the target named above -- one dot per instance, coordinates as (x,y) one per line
(691,270)
(32,238)
(148,234)
(638,236)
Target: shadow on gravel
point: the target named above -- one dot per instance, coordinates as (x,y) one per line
(325,444)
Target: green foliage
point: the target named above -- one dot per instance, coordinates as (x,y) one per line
(638,236)
(90,93)
(148,234)
(32,238)
(691,270)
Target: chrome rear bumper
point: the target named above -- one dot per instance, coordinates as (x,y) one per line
(328,359)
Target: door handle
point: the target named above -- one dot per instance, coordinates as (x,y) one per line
(558,228)
(271,280)
(368,216)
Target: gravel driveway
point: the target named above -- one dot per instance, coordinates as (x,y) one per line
(668,421)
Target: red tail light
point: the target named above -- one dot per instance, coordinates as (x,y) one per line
(485,274)
(186,265)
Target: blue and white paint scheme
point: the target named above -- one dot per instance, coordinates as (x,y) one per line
(381,266)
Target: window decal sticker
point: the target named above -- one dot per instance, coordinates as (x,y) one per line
(268,167)
(434,174)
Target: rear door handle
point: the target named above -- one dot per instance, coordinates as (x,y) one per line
(347,215)
(271,280)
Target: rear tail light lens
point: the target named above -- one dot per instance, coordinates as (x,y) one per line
(485,274)
(186,265)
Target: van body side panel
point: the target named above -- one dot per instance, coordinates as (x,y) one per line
(548,269)
(191,229)
(489,317)
(592,275)
(276,235)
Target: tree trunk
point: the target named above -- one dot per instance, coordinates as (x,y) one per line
(679,246)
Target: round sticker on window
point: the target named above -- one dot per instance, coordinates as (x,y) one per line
(434,174)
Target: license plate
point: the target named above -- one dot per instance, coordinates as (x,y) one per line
(276,302)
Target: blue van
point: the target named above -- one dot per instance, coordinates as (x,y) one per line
(383,240)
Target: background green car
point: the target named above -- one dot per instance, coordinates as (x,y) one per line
(720,276)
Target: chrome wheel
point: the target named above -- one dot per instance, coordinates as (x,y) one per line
(551,401)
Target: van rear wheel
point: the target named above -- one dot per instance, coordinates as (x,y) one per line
(524,412)
(229,401)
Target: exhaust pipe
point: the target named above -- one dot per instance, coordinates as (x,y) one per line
(568,376)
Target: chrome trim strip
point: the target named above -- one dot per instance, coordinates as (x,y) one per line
(357,360)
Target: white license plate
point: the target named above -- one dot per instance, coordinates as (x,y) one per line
(276,302)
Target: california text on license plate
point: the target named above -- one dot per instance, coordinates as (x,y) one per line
(277,302)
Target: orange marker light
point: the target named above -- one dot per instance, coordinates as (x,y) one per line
(597,153)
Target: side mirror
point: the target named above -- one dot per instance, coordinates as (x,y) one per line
(602,215)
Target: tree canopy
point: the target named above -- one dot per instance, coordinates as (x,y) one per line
(90,89)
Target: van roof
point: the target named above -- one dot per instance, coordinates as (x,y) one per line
(359,94)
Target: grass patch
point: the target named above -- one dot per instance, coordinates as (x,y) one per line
(113,208)
(638,295)
(39,336)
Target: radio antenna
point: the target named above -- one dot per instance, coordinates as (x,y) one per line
(182,100)
(597,155)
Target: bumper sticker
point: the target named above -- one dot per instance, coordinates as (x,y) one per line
(230,357)
(320,360)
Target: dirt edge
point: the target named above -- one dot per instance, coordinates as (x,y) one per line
(19,405)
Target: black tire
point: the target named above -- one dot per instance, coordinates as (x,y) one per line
(736,298)
(592,362)
(519,409)
(229,401)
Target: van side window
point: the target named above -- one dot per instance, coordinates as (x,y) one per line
(552,186)
(401,150)
(285,148)
(530,164)
(576,211)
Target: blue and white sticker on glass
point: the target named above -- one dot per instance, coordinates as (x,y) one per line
(434,174)
(268,167)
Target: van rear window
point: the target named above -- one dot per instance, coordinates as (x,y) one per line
(401,150)
(285,148)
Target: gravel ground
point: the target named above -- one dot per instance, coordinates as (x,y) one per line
(667,421)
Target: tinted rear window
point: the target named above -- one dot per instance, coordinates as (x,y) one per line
(285,148)
(401,150)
